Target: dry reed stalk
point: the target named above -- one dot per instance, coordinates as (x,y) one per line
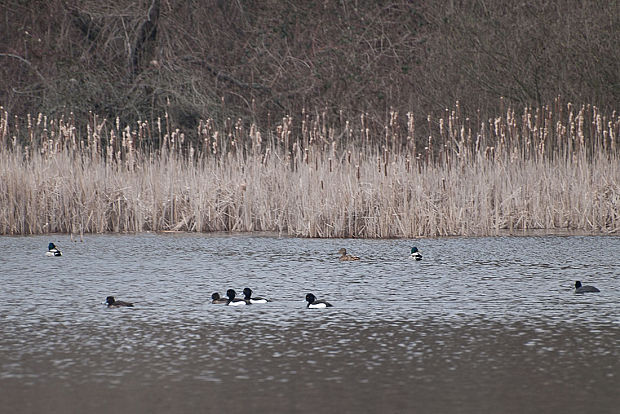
(535,170)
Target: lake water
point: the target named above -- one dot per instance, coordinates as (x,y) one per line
(480,325)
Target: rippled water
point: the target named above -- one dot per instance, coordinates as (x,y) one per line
(480,325)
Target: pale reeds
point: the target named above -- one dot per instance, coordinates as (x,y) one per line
(547,168)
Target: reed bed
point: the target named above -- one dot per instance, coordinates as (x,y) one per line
(549,168)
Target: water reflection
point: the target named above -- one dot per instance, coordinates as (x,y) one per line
(473,327)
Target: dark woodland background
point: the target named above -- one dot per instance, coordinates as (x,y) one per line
(259,60)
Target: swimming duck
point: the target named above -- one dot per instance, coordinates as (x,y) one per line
(314,303)
(415,253)
(52,250)
(583,289)
(346,257)
(112,303)
(218,300)
(247,292)
(232,301)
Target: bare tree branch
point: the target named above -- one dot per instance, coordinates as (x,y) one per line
(21,59)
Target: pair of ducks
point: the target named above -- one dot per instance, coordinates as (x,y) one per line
(344,257)
(233,301)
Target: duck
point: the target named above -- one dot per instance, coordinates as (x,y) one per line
(247,292)
(232,301)
(314,303)
(112,303)
(217,299)
(415,253)
(346,257)
(579,288)
(52,250)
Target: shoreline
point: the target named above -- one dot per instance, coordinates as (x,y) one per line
(271,234)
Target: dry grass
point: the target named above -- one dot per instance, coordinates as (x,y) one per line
(543,169)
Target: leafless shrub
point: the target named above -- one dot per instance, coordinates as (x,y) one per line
(263,60)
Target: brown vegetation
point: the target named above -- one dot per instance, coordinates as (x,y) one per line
(263,60)
(549,168)
(309,118)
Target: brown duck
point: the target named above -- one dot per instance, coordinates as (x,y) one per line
(346,257)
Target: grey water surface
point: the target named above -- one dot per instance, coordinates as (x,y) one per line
(480,325)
